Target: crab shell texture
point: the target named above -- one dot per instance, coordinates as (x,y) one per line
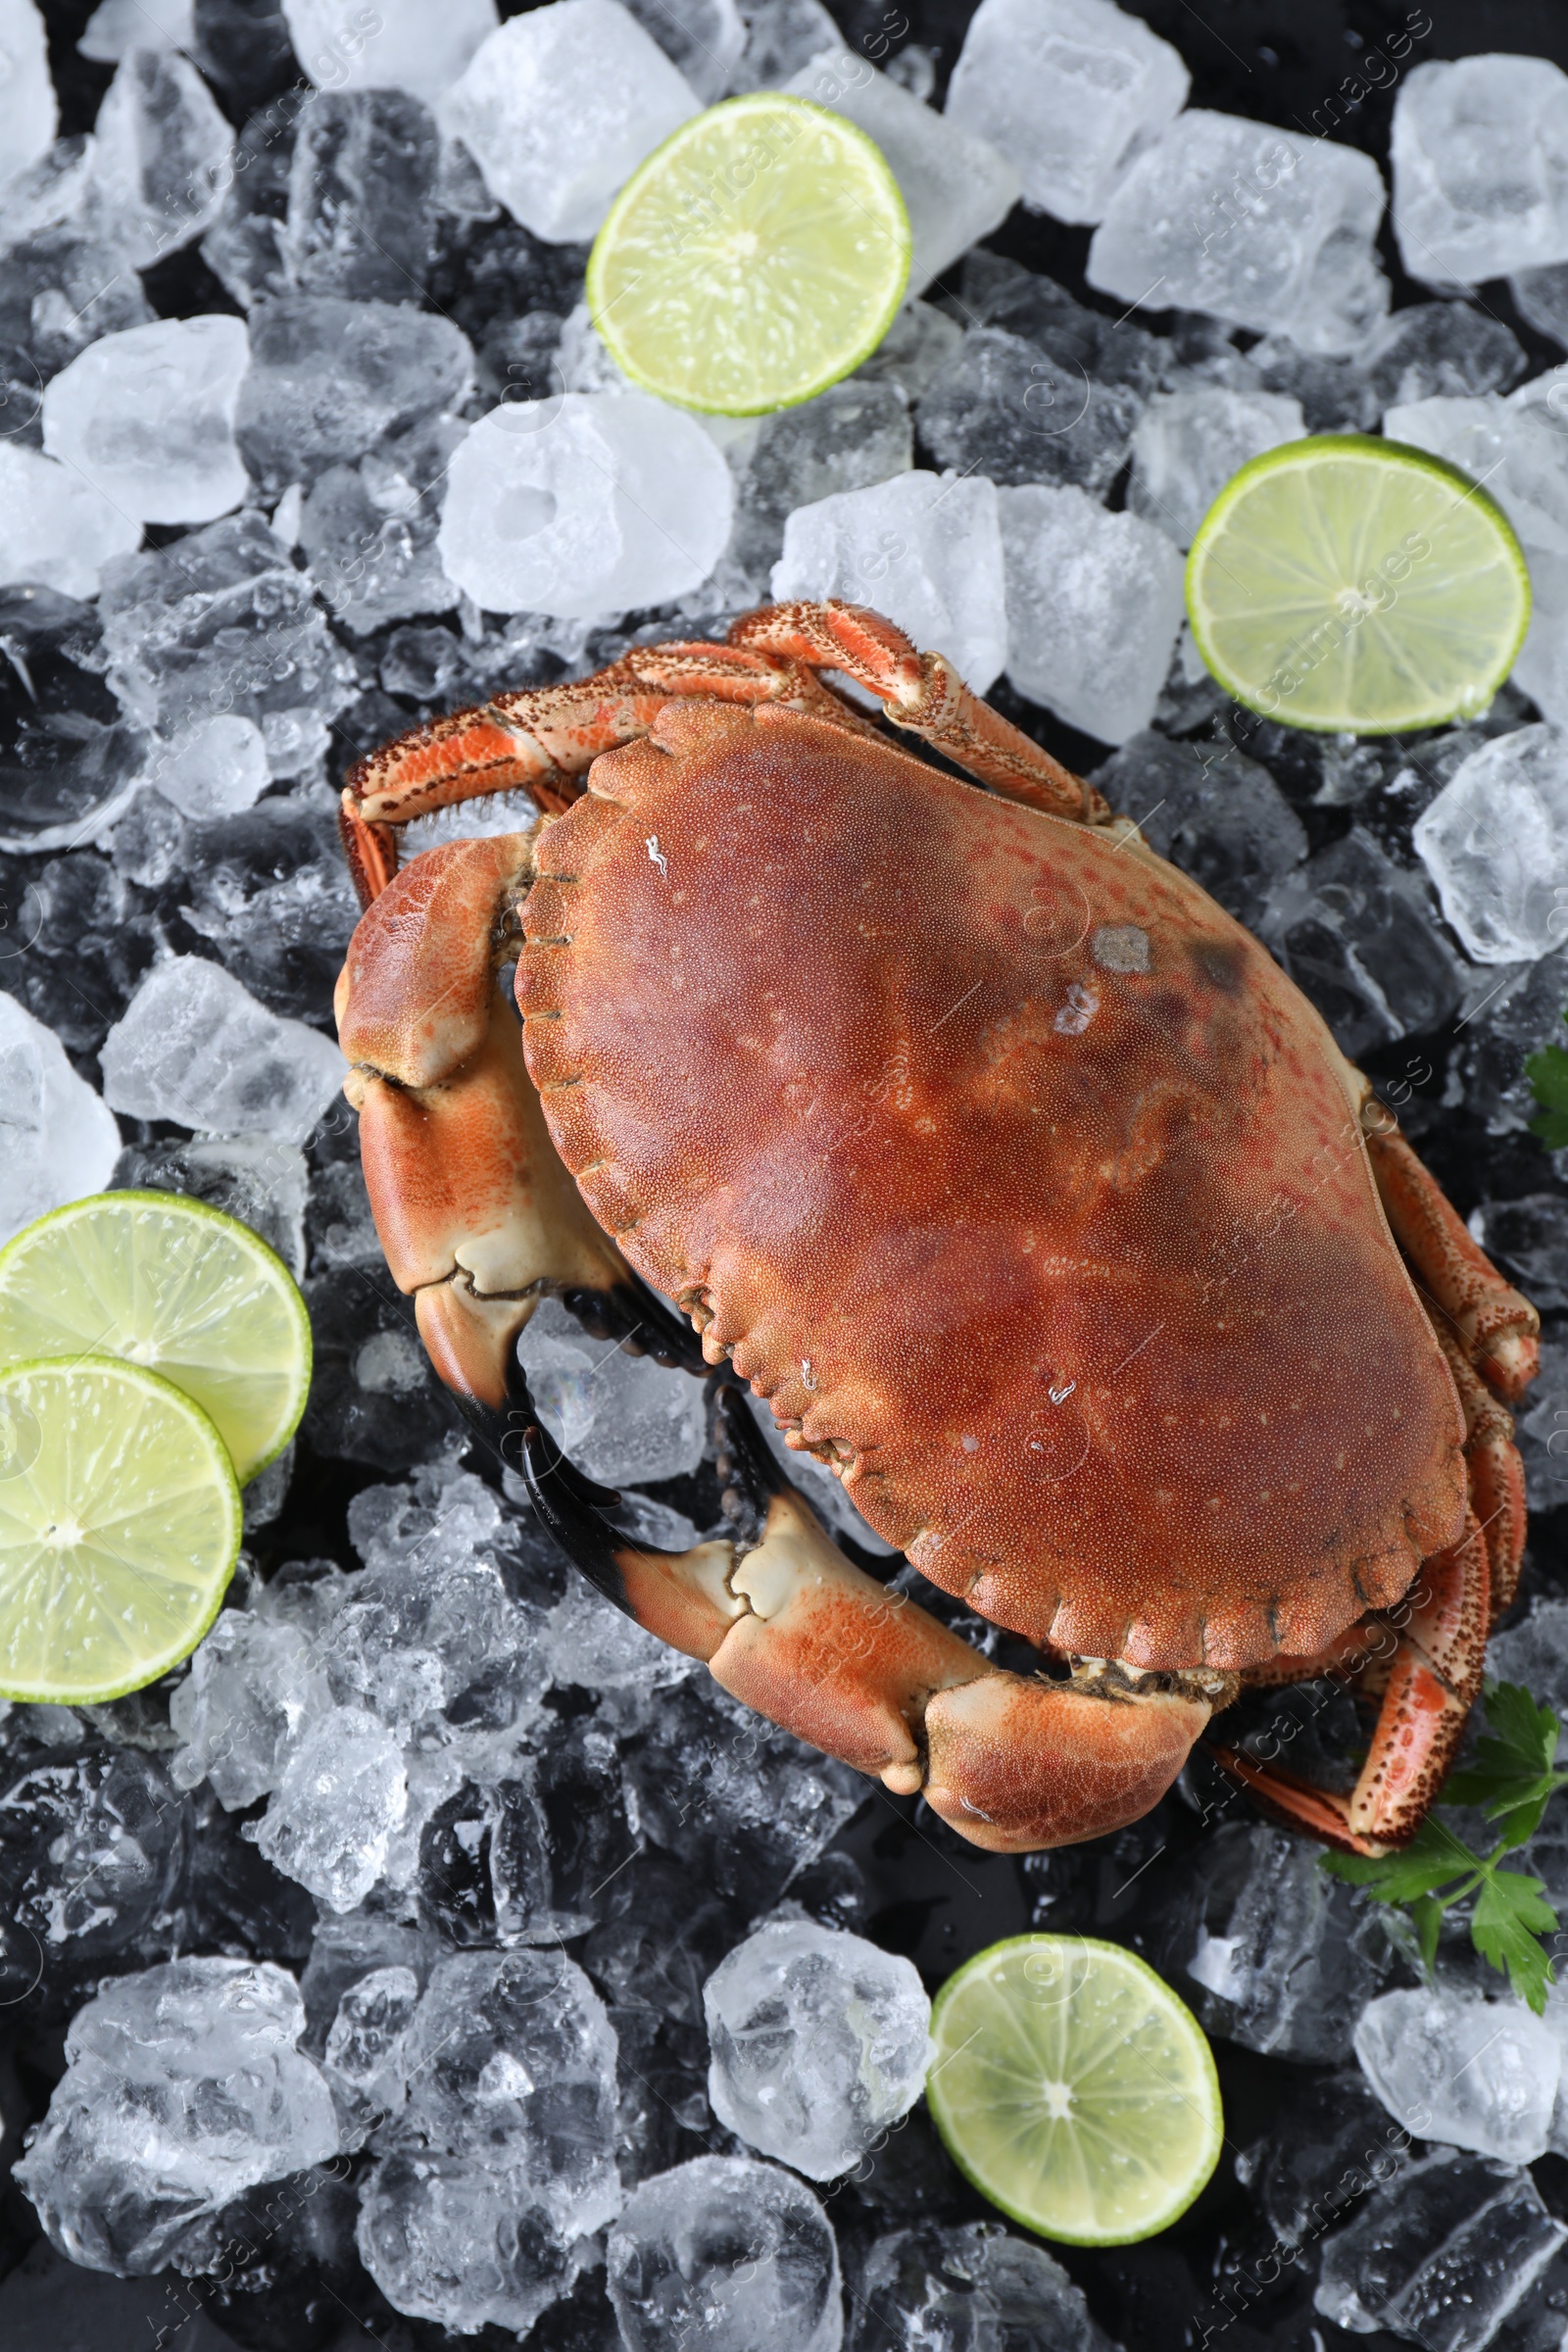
(1014,1173)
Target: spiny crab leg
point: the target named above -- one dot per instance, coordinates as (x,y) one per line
(788,1624)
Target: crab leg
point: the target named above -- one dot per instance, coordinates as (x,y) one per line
(786,1623)
(1496,1327)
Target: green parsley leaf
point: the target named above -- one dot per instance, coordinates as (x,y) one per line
(1510,1914)
(1547,1073)
(1432,1856)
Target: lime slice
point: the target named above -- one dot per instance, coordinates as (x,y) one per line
(119,1526)
(1357,586)
(167,1283)
(1074,2090)
(757,256)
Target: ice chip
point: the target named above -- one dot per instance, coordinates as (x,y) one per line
(420,46)
(1219,816)
(584,506)
(1440,349)
(781,38)
(147,417)
(343,1793)
(28,110)
(1286,1955)
(1480,156)
(449,2239)
(849,437)
(1496,843)
(360,187)
(58,1139)
(254,1686)
(1441,2256)
(1067,89)
(1187,444)
(365,2043)
(974,2285)
(1093,604)
(1004,406)
(1542,297)
(1357,934)
(57,530)
(214,768)
(704,38)
(162,155)
(183,2087)
(331,380)
(923,549)
(724,2255)
(195,1047)
(117,25)
(623,1419)
(955,186)
(821,2042)
(1479,2074)
(583,62)
(1254,225)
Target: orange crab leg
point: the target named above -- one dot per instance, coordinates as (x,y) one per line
(1497,1328)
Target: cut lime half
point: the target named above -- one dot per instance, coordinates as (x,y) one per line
(1351,585)
(177,1286)
(119,1526)
(756,258)
(1074,2090)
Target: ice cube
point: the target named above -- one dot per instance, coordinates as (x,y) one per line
(359,185)
(704,38)
(847,438)
(1357,934)
(588,63)
(1217,814)
(365,2043)
(60,1141)
(599,1647)
(1480,167)
(622,1418)
(268,888)
(117,25)
(331,1818)
(164,154)
(214,768)
(724,2255)
(183,2087)
(1442,2256)
(1068,90)
(1480,2074)
(28,110)
(1329,2143)
(821,2042)
(92,1849)
(255,1685)
(449,2239)
(244,247)
(398,45)
(974,2285)
(1093,604)
(195,1047)
(923,549)
(917,343)
(1441,350)
(1286,1955)
(1541,298)
(1496,843)
(1253,224)
(147,417)
(584,506)
(1187,444)
(955,186)
(1002,407)
(331,379)
(781,38)
(368,534)
(57,530)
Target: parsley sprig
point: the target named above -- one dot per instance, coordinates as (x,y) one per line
(1512,1780)
(1547,1073)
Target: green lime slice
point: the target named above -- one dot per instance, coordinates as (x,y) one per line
(1356,586)
(1074,2090)
(757,257)
(119,1526)
(174,1285)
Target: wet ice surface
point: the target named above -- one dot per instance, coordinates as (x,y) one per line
(724,2255)
(1474,2073)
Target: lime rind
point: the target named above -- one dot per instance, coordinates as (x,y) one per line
(789,303)
(990,2138)
(1264,620)
(146,1578)
(231,1329)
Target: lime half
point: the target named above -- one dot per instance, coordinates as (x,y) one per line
(177,1286)
(120,1525)
(1074,2090)
(757,256)
(1357,586)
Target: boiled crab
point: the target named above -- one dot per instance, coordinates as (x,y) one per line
(1009,1169)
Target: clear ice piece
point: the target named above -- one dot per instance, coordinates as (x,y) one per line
(851,436)
(147,417)
(821,2042)
(929,2288)
(338,1803)
(368,534)
(1477,2075)
(1534,1652)
(1187,444)
(58,1139)
(1217,814)
(724,2255)
(29,114)
(448,2238)
(365,2043)
(623,1419)
(1496,843)
(1069,89)
(56,529)
(1286,1956)
(398,45)
(183,2087)
(1002,406)
(162,154)
(359,185)
(1357,934)
(330,379)
(584,506)
(117,25)
(1541,298)
(957,187)
(255,1685)
(1093,604)
(195,1047)
(916,344)
(586,63)
(1443,2255)
(925,549)
(1441,350)
(214,768)
(782,36)
(703,38)
(1252,224)
(1480,157)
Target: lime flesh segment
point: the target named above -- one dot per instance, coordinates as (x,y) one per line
(1351,585)
(1074,2090)
(177,1286)
(756,258)
(119,1526)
